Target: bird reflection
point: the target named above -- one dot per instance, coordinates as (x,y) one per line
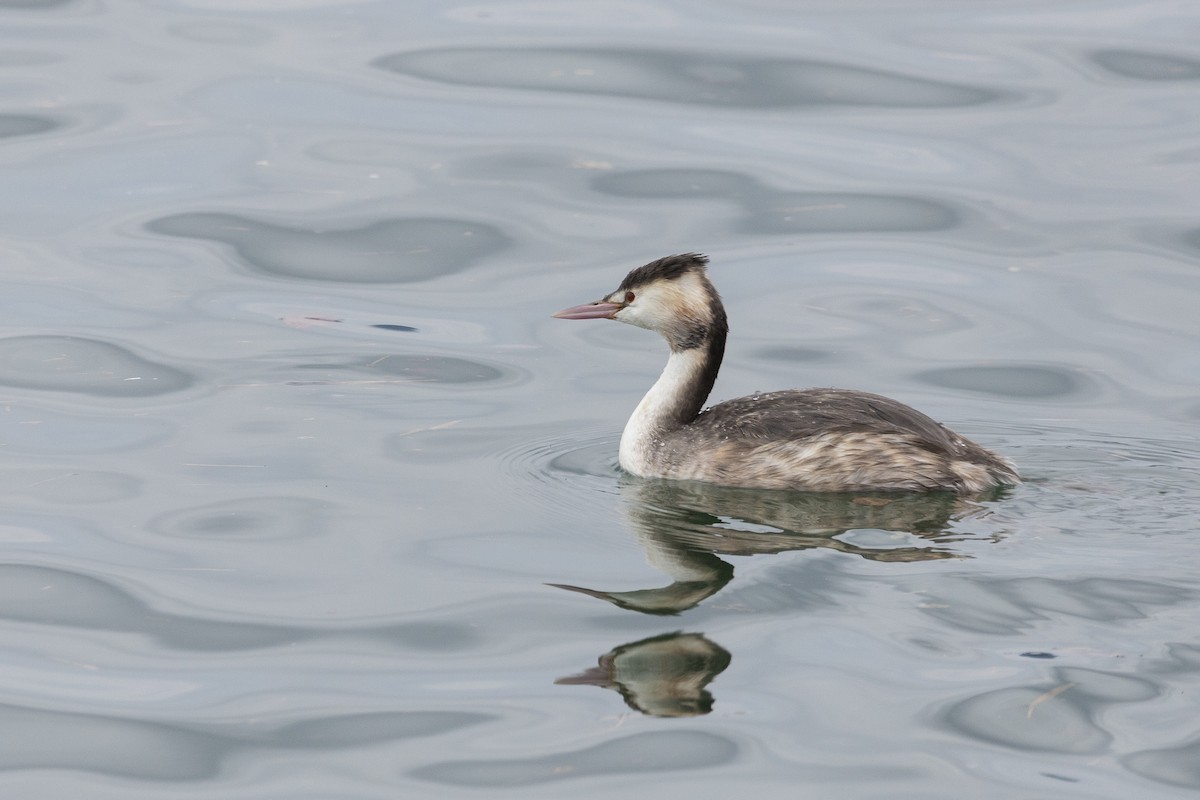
(683,526)
(663,676)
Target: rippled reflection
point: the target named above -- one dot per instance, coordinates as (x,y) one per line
(34,4)
(769,211)
(660,751)
(1022,381)
(1006,606)
(60,597)
(389,251)
(1063,716)
(86,366)
(134,748)
(424,368)
(196,189)
(681,76)
(222,32)
(683,525)
(1178,766)
(59,487)
(25,124)
(35,430)
(663,676)
(245,518)
(1148,66)
(1192,239)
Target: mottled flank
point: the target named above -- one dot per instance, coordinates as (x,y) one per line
(827,440)
(830,462)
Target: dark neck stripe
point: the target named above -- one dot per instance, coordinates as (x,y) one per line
(692,396)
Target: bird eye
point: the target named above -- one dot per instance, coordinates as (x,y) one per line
(629,298)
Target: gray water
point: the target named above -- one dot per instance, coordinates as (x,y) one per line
(306,496)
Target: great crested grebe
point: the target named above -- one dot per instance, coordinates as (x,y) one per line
(822,440)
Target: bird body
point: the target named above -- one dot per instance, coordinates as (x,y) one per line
(803,439)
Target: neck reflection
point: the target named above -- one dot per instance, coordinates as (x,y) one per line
(684,527)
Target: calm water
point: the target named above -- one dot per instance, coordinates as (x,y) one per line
(306,496)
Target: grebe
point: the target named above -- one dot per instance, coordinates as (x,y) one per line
(823,440)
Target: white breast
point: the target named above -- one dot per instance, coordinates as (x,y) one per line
(642,439)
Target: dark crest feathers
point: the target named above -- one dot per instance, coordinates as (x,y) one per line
(667,268)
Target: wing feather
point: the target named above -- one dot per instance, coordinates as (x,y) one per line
(798,414)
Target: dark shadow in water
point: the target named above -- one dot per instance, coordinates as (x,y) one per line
(415,368)
(663,676)
(792,354)
(770,211)
(388,251)
(1191,240)
(681,76)
(1146,66)
(25,124)
(1015,380)
(684,525)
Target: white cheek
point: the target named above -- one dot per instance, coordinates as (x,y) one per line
(628,315)
(635,315)
(642,311)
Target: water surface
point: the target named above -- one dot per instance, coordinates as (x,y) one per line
(305,495)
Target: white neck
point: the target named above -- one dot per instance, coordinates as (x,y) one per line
(660,410)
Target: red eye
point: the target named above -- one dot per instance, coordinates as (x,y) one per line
(629,298)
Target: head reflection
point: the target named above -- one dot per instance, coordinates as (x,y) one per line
(685,526)
(663,676)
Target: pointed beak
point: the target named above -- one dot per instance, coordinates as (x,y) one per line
(596,676)
(598,310)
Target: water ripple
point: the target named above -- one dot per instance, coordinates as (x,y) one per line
(25,125)
(133,748)
(1007,606)
(1034,381)
(63,598)
(1177,766)
(565,472)
(409,367)
(30,430)
(1147,66)
(538,461)
(1061,717)
(85,366)
(400,250)
(69,487)
(769,211)
(660,751)
(678,76)
(34,4)
(259,518)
